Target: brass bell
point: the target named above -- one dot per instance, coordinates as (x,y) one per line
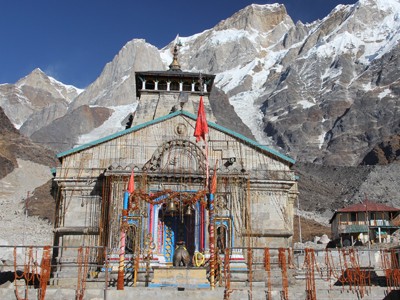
(171,206)
(188,211)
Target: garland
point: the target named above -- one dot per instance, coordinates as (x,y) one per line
(310,263)
(164,196)
(283,266)
(267,264)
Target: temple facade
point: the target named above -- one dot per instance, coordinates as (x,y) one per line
(169,177)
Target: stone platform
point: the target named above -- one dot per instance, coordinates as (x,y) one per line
(180,277)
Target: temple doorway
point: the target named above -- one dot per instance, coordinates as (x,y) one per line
(177,227)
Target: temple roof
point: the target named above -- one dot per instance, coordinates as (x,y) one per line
(169,73)
(239,136)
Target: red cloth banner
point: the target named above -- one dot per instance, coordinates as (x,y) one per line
(201,128)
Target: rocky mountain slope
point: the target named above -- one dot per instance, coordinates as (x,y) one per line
(324,93)
(23,167)
(14,146)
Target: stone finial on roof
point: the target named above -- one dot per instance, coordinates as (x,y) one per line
(175,66)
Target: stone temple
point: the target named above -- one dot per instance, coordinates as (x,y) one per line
(152,185)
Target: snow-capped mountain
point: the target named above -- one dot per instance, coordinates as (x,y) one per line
(36,100)
(324,91)
(321,92)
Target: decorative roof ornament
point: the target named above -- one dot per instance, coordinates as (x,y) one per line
(201,84)
(175,66)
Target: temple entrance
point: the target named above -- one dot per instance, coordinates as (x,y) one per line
(179,227)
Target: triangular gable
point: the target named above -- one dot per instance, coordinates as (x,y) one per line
(172,115)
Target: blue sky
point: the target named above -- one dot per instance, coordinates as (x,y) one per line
(72,40)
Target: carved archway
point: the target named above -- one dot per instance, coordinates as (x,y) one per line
(177,156)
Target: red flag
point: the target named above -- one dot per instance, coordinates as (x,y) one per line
(201,128)
(131,184)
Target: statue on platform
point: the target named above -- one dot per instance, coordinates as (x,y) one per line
(181,255)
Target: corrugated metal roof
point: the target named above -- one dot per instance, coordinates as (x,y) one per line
(367,206)
(169,116)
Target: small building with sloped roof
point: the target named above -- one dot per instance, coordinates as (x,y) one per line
(365,221)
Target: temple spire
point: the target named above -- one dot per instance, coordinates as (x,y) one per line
(175,66)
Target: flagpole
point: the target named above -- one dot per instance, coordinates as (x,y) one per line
(213,188)
(125,207)
(200,131)
(121,267)
(212,243)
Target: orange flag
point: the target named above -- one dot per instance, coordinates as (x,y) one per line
(213,186)
(131,184)
(201,128)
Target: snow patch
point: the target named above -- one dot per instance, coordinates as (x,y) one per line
(166,56)
(271,7)
(383,4)
(227,35)
(384,93)
(306,104)
(69,88)
(321,140)
(367,87)
(108,127)
(250,114)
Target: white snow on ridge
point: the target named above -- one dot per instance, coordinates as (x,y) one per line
(66,86)
(306,104)
(251,115)
(321,140)
(230,79)
(384,93)
(367,87)
(166,52)
(110,126)
(383,4)
(269,62)
(227,35)
(271,6)
(166,56)
(185,41)
(370,40)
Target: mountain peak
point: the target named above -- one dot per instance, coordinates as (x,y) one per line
(38,71)
(37,75)
(257,17)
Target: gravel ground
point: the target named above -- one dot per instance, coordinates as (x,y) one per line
(17,228)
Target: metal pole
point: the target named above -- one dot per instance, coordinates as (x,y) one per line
(106,275)
(369,239)
(212,242)
(121,267)
(298,211)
